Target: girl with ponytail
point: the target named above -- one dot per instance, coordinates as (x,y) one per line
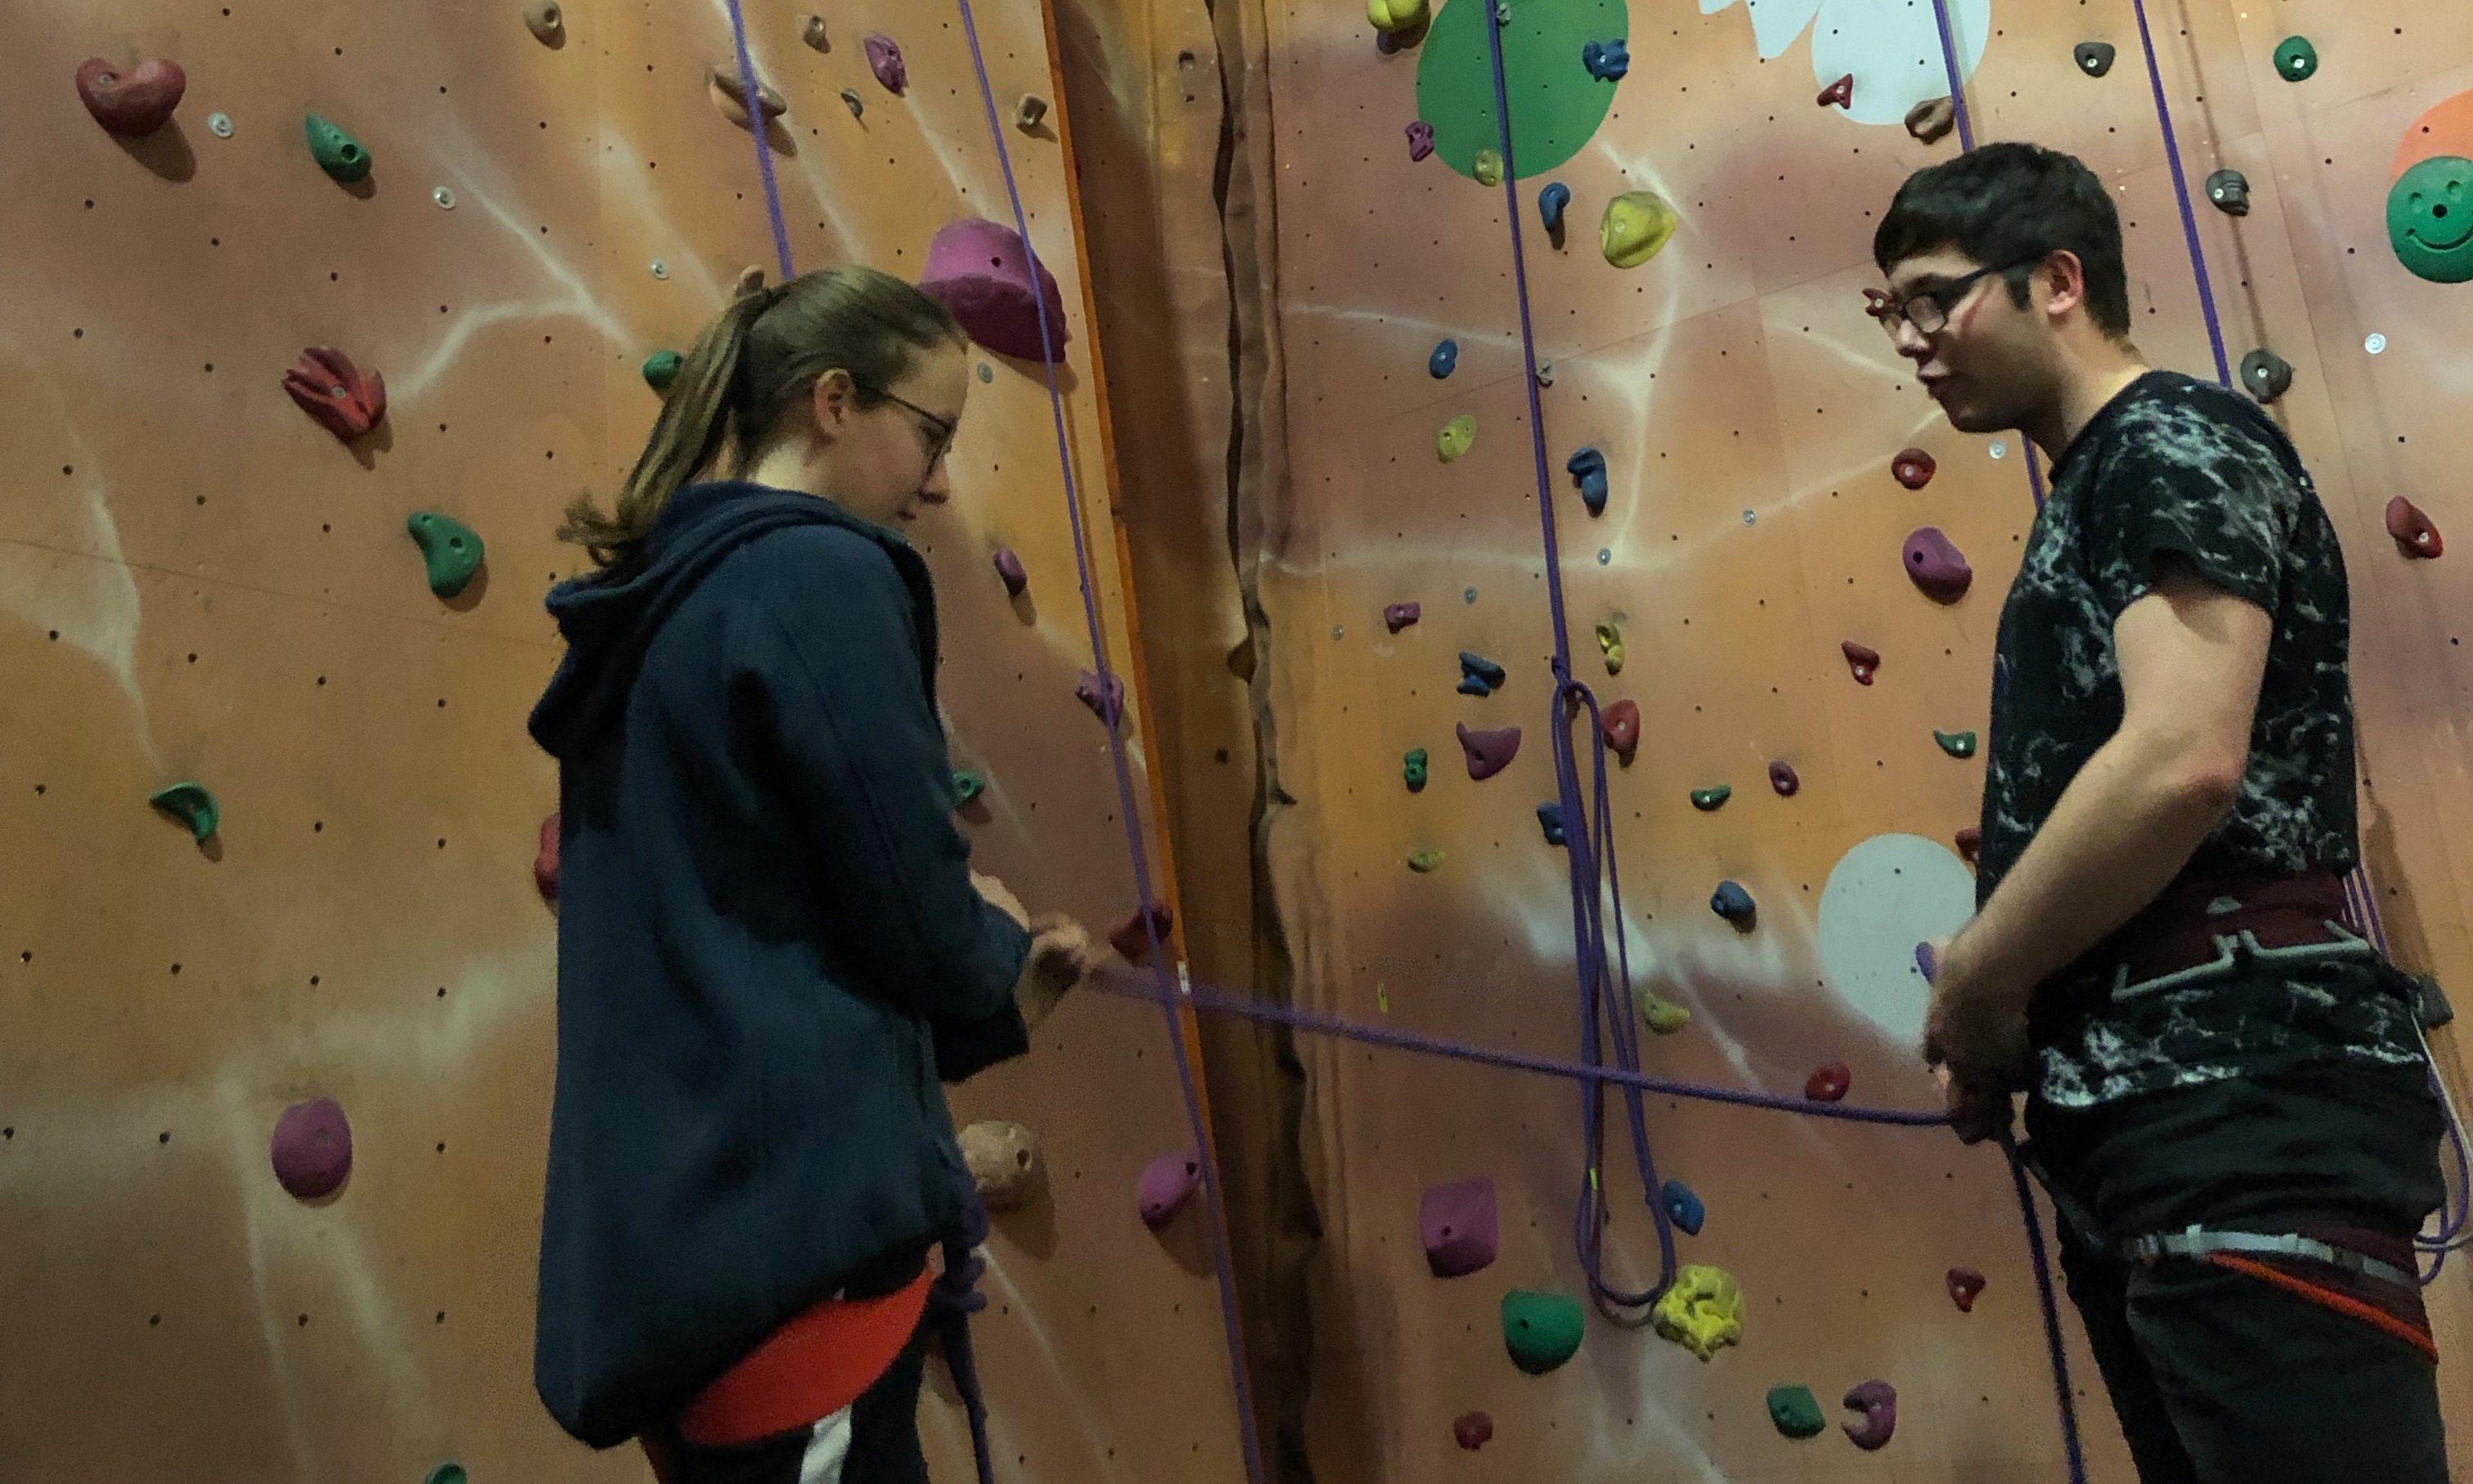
(771,945)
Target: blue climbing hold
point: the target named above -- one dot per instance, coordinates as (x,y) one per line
(1445,358)
(1606,61)
(1733,903)
(1683,1207)
(1474,686)
(1588,468)
(1550,819)
(1550,203)
(1478,675)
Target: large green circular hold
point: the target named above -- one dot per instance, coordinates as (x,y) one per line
(1541,1329)
(2430,219)
(1556,106)
(2295,58)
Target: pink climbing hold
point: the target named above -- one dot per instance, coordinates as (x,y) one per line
(1421,141)
(1168,1183)
(312,1150)
(1912,467)
(1103,694)
(1132,933)
(1619,723)
(1969,842)
(1399,615)
(1458,1224)
(981,272)
(1009,567)
(884,59)
(2415,534)
(1489,752)
(1828,1084)
(1472,1430)
(546,860)
(1878,1401)
(1965,1283)
(1937,566)
(346,400)
(1861,659)
(1840,92)
(131,103)
(1783,779)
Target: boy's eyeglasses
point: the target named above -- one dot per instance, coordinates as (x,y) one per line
(1928,310)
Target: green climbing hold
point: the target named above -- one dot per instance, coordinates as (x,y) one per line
(450,549)
(2430,219)
(1453,441)
(661,369)
(1706,800)
(1796,1411)
(337,152)
(1541,1329)
(1487,168)
(966,786)
(1423,862)
(1956,744)
(448,1473)
(192,805)
(2295,58)
(1412,768)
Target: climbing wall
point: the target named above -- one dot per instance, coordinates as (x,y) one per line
(202,583)
(1748,414)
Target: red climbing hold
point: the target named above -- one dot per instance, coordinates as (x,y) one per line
(1459,1226)
(1828,1084)
(1472,1430)
(1621,725)
(1970,842)
(1913,466)
(1876,303)
(131,102)
(1489,752)
(1937,566)
(346,400)
(1132,936)
(312,1151)
(1010,568)
(1168,1183)
(545,861)
(981,272)
(1860,659)
(1965,1283)
(2415,534)
(1840,92)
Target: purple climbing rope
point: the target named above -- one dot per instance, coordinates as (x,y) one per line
(2181,193)
(763,149)
(2052,1308)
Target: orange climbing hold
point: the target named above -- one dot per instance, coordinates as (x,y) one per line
(2415,534)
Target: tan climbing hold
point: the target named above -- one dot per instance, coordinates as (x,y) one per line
(545,21)
(812,30)
(1932,120)
(727,92)
(1002,1157)
(1029,113)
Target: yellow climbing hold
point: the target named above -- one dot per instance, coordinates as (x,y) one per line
(1423,861)
(1637,224)
(1610,640)
(1456,437)
(1396,14)
(1702,1311)
(1663,1015)
(1487,167)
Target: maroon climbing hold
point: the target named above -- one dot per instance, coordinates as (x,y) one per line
(1103,694)
(884,59)
(1456,1222)
(1781,778)
(1471,1430)
(1970,842)
(1009,567)
(1840,92)
(346,400)
(980,271)
(1861,659)
(1421,140)
(1965,1283)
(131,102)
(1132,935)
(1937,566)
(1876,303)
(1913,466)
(1168,1183)
(1489,752)
(312,1151)
(1878,1401)
(1399,615)
(546,860)
(2415,534)
(1828,1084)
(1619,723)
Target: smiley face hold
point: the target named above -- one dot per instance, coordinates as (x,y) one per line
(2430,219)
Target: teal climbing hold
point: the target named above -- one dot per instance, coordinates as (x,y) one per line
(966,786)
(1561,105)
(450,548)
(1709,799)
(337,152)
(1412,768)
(1956,744)
(1550,819)
(2295,58)
(1796,1411)
(448,1473)
(192,805)
(661,369)
(1539,1329)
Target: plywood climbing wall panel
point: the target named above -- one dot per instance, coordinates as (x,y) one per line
(1748,412)
(201,582)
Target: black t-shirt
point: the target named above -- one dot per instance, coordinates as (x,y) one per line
(2186,467)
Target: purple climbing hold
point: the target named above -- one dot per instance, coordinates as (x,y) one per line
(1397,616)
(1937,566)
(1588,466)
(1878,1401)
(1009,567)
(1168,1183)
(1781,778)
(1458,1224)
(1103,694)
(1489,752)
(312,1151)
(1472,1430)
(1421,140)
(981,272)
(884,59)
(1926,961)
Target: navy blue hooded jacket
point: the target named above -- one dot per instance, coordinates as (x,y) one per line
(768,947)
